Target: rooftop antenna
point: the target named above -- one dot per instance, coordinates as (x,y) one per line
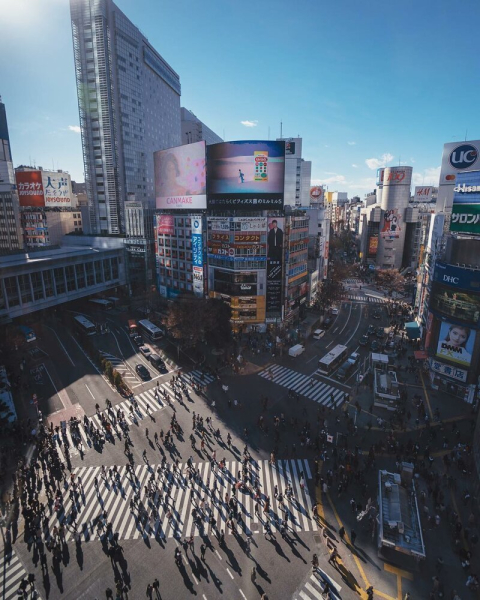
(281,130)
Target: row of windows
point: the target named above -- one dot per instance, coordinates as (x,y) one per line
(33,287)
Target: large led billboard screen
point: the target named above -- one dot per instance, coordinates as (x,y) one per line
(457,305)
(457,277)
(246,174)
(456,343)
(466,203)
(275,247)
(180,177)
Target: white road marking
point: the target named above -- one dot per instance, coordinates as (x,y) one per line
(64,349)
(228,571)
(243,595)
(216,552)
(90,391)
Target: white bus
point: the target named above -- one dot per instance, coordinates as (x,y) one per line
(151,330)
(85,325)
(103,304)
(332,360)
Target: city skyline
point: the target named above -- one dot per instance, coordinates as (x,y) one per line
(378,88)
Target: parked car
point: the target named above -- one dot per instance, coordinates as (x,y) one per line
(375,346)
(363,340)
(138,340)
(345,370)
(327,323)
(157,362)
(144,350)
(354,358)
(143,372)
(334,311)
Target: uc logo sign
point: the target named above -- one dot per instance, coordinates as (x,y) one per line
(463,156)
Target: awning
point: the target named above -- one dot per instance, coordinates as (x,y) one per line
(420,354)
(413,330)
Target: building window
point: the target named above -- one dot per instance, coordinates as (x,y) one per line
(37,286)
(12,291)
(90,276)
(114,268)
(48,283)
(59,280)
(70,275)
(98,272)
(25,290)
(80,276)
(107,269)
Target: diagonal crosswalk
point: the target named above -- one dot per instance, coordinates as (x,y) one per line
(12,572)
(313,588)
(305,385)
(176,518)
(80,443)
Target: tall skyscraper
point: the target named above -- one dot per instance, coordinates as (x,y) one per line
(194,130)
(129,105)
(298,173)
(10,232)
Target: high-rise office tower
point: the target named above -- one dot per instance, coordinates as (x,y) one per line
(129,105)
(193,130)
(10,232)
(298,173)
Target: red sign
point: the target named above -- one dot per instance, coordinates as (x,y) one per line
(30,188)
(166,225)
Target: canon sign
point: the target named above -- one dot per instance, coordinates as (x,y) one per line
(463,156)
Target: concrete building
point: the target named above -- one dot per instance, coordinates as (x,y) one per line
(82,267)
(194,130)
(10,232)
(129,106)
(47,226)
(296,264)
(298,174)
(175,270)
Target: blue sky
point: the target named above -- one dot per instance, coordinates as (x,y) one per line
(364,84)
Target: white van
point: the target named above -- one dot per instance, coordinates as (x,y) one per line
(296,350)
(318,334)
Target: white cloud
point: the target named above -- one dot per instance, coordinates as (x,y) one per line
(249,123)
(366,183)
(335,178)
(74,128)
(376,163)
(355,166)
(351,143)
(430,176)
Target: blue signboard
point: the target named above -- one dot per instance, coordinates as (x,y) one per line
(464,279)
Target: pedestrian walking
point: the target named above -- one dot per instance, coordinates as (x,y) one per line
(334,556)
(353,536)
(341,532)
(203,549)
(149,590)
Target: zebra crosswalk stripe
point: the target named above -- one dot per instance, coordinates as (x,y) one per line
(299,382)
(115,500)
(12,572)
(143,399)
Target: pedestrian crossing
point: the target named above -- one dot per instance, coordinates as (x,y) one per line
(305,385)
(121,366)
(12,572)
(362,298)
(147,402)
(352,281)
(313,588)
(176,519)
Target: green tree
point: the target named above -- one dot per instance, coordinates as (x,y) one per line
(108,369)
(217,324)
(185,321)
(390,279)
(117,379)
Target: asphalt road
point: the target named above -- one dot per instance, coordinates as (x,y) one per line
(282,565)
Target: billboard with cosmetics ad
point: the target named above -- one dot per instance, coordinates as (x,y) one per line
(180,177)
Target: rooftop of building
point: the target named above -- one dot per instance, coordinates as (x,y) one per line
(46,255)
(400,526)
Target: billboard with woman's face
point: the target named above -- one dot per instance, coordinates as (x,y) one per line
(180,177)
(455,343)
